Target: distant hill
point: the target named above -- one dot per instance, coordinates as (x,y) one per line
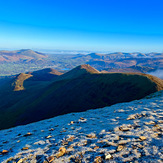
(78,90)
(135,69)
(96,55)
(24,55)
(122,63)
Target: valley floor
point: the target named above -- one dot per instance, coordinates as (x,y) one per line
(125,132)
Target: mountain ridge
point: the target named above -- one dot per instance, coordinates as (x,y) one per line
(46,74)
(88,90)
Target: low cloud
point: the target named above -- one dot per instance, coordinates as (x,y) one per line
(158,73)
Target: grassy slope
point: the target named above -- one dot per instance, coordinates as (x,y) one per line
(19,80)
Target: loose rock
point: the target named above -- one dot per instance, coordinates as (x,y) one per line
(142,138)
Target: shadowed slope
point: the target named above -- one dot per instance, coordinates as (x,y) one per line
(46,74)
(41,75)
(81,89)
(17,88)
(16,83)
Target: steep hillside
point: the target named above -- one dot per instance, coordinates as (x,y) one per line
(125,132)
(46,74)
(80,89)
(21,87)
(17,83)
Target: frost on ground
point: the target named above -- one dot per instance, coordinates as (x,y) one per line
(125,132)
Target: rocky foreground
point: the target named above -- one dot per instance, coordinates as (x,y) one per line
(125,132)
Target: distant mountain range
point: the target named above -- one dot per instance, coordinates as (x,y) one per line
(26,60)
(126,60)
(120,55)
(43,94)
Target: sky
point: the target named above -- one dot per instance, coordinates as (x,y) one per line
(97,25)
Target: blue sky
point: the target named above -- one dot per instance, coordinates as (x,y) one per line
(103,25)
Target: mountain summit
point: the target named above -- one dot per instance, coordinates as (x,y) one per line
(78,71)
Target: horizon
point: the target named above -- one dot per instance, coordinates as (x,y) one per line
(53,51)
(107,26)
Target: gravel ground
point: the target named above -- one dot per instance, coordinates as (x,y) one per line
(125,132)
